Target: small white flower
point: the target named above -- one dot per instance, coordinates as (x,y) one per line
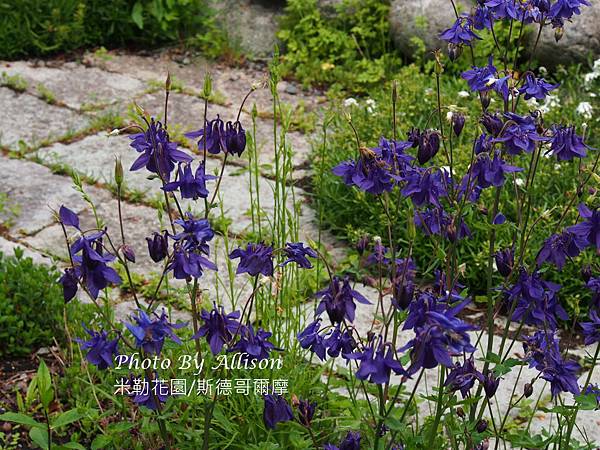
(350,102)
(371,105)
(449,115)
(428,91)
(519,181)
(543,70)
(557,167)
(585,110)
(463,94)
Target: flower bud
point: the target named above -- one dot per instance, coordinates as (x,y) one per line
(439,67)
(128,253)
(528,390)
(490,384)
(429,145)
(207,88)
(485,99)
(168,82)
(460,412)
(454,51)
(492,123)
(505,261)
(481,426)
(586,272)
(558,33)
(306,411)
(458,122)
(158,246)
(118,172)
(362,244)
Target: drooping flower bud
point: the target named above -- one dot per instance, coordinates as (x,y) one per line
(362,244)
(429,145)
(586,272)
(492,123)
(505,261)
(528,390)
(306,411)
(458,123)
(128,253)
(558,33)
(158,246)
(481,426)
(235,138)
(490,384)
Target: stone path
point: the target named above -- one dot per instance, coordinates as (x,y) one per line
(60,122)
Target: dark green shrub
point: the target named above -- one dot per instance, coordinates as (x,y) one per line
(31,305)
(352,50)
(40,27)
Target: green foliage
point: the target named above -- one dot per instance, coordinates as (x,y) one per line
(40,27)
(350,50)
(31,305)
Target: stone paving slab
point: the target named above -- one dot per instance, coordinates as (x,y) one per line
(76,85)
(31,120)
(95,155)
(32,190)
(8,249)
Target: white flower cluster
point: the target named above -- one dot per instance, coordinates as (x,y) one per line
(588,78)
(370,104)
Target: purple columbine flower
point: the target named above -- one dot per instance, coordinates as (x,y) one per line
(338,341)
(461,32)
(158,154)
(462,377)
(565,144)
(156,389)
(188,264)
(306,411)
(214,139)
(350,442)
(490,384)
(219,328)
(70,282)
(591,330)
(235,138)
(482,17)
(68,217)
(91,265)
(195,234)
(438,340)
(536,88)
(377,361)
(436,221)
(338,300)
(255,346)
(297,252)
(543,353)
(426,187)
(503,9)
(256,259)
(158,246)
(276,410)
(537,300)
(558,247)
(493,123)
(588,229)
(505,261)
(521,135)
(310,339)
(564,9)
(190,186)
(481,79)
(150,333)
(101,350)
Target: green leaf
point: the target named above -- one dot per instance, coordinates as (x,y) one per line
(587,402)
(66,418)
(137,15)
(101,442)
(74,445)
(20,418)
(40,437)
(44,383)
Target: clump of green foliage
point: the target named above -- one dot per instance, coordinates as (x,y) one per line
(351,50)
(40,27)
(31,305)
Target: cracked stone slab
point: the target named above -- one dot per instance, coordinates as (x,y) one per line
(32,190)
(94,156)
(76,85)
(29,119)
(8,249)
